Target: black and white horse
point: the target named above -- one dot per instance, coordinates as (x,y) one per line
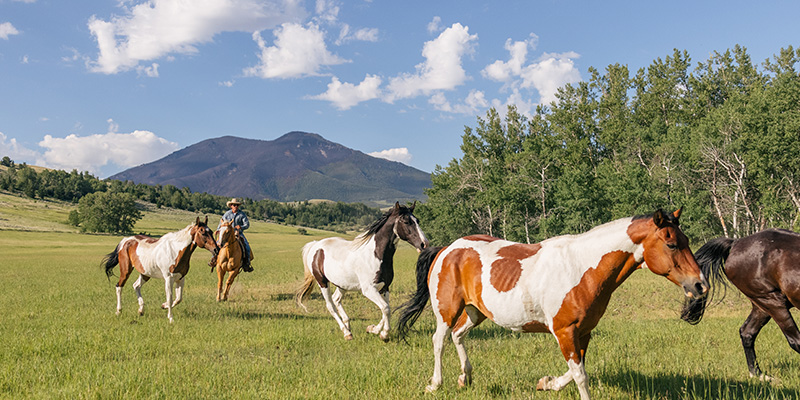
(365,264)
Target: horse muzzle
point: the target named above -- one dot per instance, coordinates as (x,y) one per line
(695,288)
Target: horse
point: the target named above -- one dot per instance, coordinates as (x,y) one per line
(229,258)
(365,264)
(561,285)
(763,266)
(164,258)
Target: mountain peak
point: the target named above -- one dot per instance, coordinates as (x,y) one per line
(296,166)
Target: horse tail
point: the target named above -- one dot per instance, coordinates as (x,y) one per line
(411,309)
(110,261)
(308,279)
(711,259)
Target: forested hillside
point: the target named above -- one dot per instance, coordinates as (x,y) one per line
(720,138)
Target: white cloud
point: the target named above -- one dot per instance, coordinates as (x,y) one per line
(7,29)
(441,69)
(551,72)
(435,25)
(90,153)
(399,154)
(473,104)
(299,51)
(346,95)
(155,28)
(363,34)
(14,150)
(503,71)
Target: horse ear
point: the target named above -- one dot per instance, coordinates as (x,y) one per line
(659,218)
(397,206)
(206,220)
(413,205)
(197,221)
(677,213)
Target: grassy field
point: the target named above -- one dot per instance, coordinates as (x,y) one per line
(61,338)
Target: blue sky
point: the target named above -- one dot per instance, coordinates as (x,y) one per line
(103,86)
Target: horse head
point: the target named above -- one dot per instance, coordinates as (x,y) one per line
(667,253)
(203,237)
(227,234)
(406,226)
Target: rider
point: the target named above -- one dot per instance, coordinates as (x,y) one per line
(240,223)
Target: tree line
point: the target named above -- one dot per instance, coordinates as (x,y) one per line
(721,139)
(110,205)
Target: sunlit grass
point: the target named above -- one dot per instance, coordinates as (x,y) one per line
(62,340)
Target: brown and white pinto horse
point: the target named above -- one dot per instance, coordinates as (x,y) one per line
(364,264)
(229,258)
(561,285)
(164,258)
(764,267)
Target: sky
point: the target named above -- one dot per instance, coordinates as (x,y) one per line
(103,86)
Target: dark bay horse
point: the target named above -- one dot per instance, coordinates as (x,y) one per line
(165,258)
(364,264)
(561,286)
(765,267)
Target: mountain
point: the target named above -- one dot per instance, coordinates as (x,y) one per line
(296,166)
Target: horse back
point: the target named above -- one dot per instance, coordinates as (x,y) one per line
(764,261)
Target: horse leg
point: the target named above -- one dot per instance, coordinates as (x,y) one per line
(470,319)
(220,278)
(125,270)
(382,328)
(231,276)
(338,295)
(326,294)
(178,291)
(137,287)
(168,281)
(442,330)
(572,347)
(748,332)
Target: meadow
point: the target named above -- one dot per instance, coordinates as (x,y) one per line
(61,338)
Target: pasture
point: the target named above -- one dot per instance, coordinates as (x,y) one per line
(61,338)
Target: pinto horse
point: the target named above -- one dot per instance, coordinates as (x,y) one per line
(164,258)
(764,267)
(561,285)
(229,258)
(365,264)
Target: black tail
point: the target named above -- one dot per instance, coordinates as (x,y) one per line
(411,310)
(711,259)
(110,261)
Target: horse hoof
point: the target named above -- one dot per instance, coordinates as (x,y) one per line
(431,388)
(118,312)
(464,381)
(141,312)
(384,336)
(164,306)
(544,383)
(348,336)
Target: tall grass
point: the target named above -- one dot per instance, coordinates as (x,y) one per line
(61,338)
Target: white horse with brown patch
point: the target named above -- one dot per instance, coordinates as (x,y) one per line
(165,258)
(561,285)
(364,264)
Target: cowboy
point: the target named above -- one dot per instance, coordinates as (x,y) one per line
(240,223)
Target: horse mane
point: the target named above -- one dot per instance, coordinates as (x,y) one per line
(364,237)
(668,216)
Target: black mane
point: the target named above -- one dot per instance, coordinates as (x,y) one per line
(377,225)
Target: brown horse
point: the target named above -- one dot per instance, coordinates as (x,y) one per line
(164,258)
(763,266)
(561,285)
(229,259)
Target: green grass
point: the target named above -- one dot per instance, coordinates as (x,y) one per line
(61,338)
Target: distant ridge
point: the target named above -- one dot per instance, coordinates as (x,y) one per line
(294,167)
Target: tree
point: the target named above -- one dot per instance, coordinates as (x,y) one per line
(106,212)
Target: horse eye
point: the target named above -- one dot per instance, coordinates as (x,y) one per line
(672,246)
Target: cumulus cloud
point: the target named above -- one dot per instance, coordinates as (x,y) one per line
(90,153)
(473,104)
(544,75)
(399,154)
(17,152)
(298,51)
(435,25)
(441,69)
(7,29)
(154,28)
(346,95)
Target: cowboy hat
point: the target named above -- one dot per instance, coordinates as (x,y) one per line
(233,201)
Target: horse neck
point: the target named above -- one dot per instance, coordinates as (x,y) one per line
(385,243)
(179,240)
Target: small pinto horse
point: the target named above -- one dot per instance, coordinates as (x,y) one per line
(561,285)
(763,266)
(365,264)
(164,258)
(229,258)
